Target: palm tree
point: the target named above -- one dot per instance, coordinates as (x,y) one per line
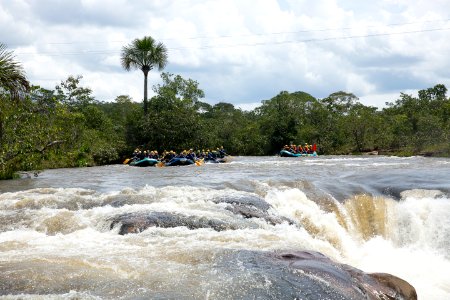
(12,80)
(12,76)
(144,54)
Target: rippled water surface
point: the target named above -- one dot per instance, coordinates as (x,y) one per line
(63,233)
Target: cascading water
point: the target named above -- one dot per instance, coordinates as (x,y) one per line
(409,238)
(194,231)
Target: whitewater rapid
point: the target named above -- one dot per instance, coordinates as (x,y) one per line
(60,241)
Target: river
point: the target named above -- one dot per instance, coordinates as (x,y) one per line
(60,233)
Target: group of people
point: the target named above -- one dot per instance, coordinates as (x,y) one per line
(167,156)
(299,149)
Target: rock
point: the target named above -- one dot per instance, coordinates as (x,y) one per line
(248,207)
(138,222)
(304,275)
(400,286)
(252,207)
(372,153)
(348,280)
(249,200)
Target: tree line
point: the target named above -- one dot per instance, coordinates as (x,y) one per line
(67,127)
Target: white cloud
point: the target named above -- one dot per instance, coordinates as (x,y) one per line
(239,51)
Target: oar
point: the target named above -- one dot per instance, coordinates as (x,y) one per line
(126,161)
(199,162)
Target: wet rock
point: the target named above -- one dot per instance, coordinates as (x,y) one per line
(252,207)
(249,200)
(396,285)
(138,222)
(347,279)
(306,275)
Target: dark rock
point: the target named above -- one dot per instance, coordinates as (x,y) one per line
(249,200)
(345,279)
(397,285)
(138,222)
(305,275)
(252,207)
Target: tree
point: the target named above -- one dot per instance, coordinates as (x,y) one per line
(286,118)
(12,80)
(12,76)
(173,120)
(340,102)
(361,126)
(175,90)
(73,95)
(144,54)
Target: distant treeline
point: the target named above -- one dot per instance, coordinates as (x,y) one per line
(68,127)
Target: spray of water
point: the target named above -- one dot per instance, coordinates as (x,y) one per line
(68,229)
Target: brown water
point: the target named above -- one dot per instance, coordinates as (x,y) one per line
(379,214)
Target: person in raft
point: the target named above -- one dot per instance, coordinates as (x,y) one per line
(306,149)
(166,156)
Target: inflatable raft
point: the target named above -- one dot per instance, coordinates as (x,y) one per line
(145,162)
(179,161)
(285,153)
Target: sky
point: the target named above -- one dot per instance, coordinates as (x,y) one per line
(239,51)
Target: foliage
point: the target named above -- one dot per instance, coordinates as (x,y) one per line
(12,75)
(31,131)
(286,118)
(172,120)
(43,130)
(70,92)
(418,122)
(68,127)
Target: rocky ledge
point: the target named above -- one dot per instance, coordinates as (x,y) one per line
(305,275)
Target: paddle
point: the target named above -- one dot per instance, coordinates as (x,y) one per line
(199,162)
(160,164)
(126,161)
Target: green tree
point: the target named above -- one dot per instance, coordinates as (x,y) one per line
(12,75)
(225,125)
(361,125)
(175,90)
(172,121)
(144,54)
(34,128)
(333,128)
(340,102)
(286,118)
(13,83)
(73,95)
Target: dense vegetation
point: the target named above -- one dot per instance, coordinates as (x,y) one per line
(68,127)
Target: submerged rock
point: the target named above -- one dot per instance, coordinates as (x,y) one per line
(248,207)
(304,275)
(138,222)
(346,279)
(252,207)
(395,285)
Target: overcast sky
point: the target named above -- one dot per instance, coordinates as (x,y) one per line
(240,51)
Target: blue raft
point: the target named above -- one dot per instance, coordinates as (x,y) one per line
(285,153)
(179,161)
(145,162)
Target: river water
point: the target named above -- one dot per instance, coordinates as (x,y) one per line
(59,235)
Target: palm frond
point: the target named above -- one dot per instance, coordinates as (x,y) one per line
(145,52)
(12,75)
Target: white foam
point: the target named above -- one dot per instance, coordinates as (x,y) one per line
(416,245)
